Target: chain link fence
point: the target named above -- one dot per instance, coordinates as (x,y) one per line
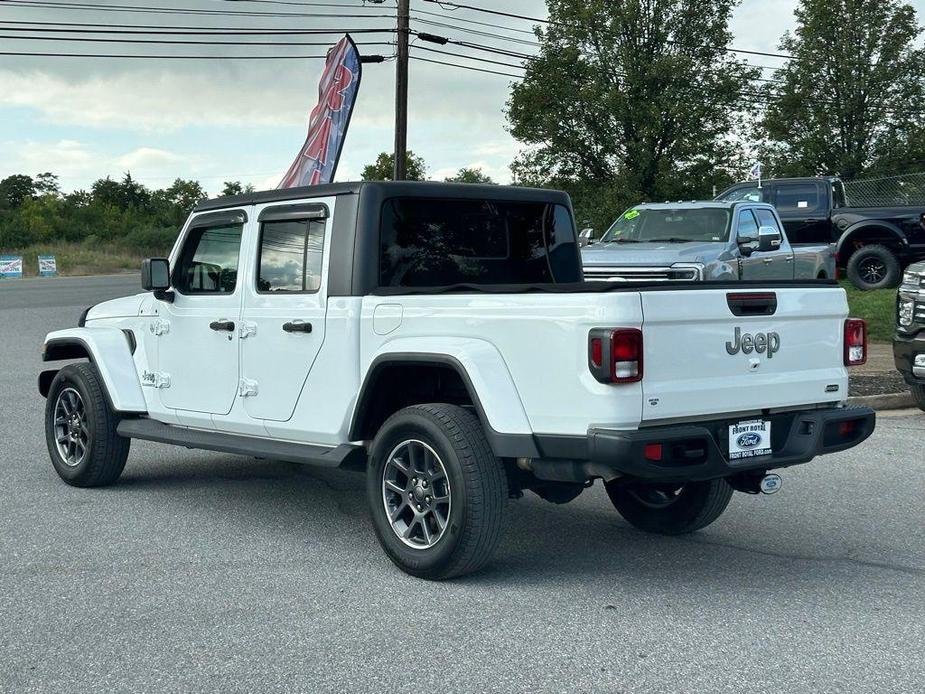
(892,191)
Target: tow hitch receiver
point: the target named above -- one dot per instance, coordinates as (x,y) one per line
(761,483)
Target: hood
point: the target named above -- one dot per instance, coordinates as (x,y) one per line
(122,307)
(650,253)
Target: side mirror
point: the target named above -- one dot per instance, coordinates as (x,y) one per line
(769,239)
(155,277)
(586,237)
(155,274)
(747,244)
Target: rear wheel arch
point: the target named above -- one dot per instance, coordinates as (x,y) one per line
(865,234)
(432,378)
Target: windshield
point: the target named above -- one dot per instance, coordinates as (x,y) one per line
(642,225)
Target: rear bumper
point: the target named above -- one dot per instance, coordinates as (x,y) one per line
(905,350)
(700,452)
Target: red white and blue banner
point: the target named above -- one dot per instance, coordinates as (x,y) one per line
(328,122)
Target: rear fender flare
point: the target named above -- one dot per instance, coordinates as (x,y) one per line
(110,351)
(885,229)
(485,375)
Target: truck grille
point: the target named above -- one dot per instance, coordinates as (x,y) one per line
(919,313)
(629,273)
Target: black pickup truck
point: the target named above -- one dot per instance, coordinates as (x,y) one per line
(873,244)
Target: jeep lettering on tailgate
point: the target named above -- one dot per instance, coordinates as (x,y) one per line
(759,343)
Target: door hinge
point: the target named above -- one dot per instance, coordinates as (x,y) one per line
(155,379)
(247,329)
(160,326)
(247,388)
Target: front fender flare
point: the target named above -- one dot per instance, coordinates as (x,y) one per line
(109,350)
(485,375)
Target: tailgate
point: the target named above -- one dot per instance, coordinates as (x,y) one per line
(784,350)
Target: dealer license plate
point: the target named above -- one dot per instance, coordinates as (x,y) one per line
(749,439)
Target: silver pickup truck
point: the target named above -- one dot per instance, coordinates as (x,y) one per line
(692,241)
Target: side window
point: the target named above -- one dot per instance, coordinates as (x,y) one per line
(209,260)
(748,225)
(766,218)
(290,256)
(797,197)
(749,192)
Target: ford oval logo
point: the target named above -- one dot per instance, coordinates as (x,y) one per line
(749,439)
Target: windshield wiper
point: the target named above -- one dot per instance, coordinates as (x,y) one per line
(671,239)
(619,240)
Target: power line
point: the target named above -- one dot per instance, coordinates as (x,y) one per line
(456,6)
(304,3)
(157,29)
(146,9)
(467,57)
(166,57)
(172,42)
(476,22)
(465,67)
(476,32)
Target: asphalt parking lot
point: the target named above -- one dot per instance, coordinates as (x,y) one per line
(206,572)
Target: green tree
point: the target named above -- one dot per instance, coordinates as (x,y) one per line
(124,194)
(850,101)
(16,189)
(47,184)
(469,175)
(384,166)
(630,101)
(235,188)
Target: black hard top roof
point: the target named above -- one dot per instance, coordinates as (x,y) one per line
(792,179)
(426,189)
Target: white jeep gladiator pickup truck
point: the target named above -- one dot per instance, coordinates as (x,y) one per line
(440,337)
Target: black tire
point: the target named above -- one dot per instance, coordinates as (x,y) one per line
(103,451)
(874,267)
(476,495)
(918,394)
(670,509)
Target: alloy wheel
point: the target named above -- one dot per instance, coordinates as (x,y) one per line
(416,494)
(873,270)
(72,434)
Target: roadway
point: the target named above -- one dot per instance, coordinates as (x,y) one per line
(207,572)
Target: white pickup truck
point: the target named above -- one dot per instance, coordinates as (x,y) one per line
(440,337)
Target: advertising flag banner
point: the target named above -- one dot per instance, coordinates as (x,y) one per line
(10,266)
(48,266)
(755,170)
(328,121)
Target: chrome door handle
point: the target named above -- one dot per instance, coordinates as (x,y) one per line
(222,325)
(767,261)
(297,326)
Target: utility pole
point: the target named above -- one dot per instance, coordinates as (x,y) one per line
(401,89)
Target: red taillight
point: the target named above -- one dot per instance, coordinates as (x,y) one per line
(653,452)
(626,355)
(615,355)
(855,342)
(597,352)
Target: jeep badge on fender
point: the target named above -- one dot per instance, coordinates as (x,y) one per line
(759,343)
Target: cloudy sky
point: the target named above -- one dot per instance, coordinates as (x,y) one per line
(215,120)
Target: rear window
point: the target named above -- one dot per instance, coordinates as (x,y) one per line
(791,197)
(426,242)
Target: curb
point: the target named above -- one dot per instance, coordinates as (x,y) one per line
(890,401)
